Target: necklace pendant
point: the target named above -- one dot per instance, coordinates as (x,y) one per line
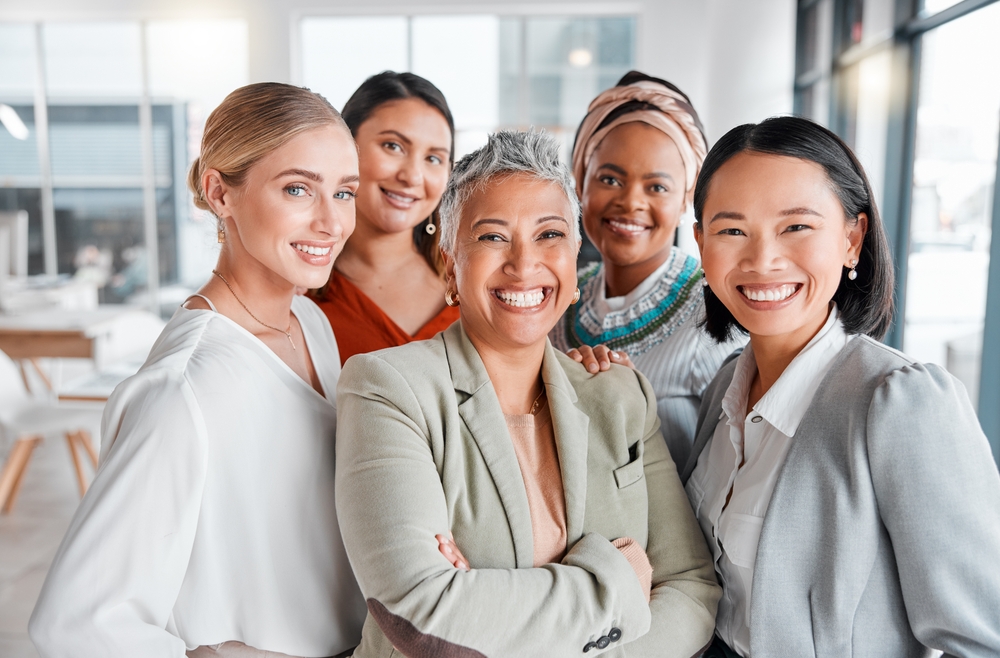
(288,335)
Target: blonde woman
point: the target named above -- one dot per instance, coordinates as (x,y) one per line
(210,529)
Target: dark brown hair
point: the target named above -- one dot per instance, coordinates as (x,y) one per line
(866,303)
(390,86)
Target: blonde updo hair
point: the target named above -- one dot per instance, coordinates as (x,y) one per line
(250,123)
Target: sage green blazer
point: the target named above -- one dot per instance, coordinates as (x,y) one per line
(423,449)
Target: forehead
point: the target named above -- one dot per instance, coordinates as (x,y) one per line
(413,116)
(640,145)
(516,196)
(768,182)
(329,149)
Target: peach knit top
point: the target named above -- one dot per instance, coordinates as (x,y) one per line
(535,445)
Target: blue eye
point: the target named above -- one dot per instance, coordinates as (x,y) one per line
(345,195)
(296,190)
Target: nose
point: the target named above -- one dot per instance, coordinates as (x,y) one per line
(333,219)
(523,259)
(633,198)
(411,173)
(762,254)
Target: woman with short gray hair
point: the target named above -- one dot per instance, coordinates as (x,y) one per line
(575,533)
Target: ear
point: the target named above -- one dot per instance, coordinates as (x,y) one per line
(699,237)
(449,266)
(856,237)
(217,192)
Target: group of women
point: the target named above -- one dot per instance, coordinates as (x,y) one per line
(655,492)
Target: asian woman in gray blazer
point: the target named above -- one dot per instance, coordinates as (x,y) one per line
(848,494)
(556,484)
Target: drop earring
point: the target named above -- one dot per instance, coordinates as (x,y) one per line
(221,236)
(853,273)
(431,229)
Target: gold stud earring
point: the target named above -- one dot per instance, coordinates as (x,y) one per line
(576,296)
(451,297)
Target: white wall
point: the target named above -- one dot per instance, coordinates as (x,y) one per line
(734,58)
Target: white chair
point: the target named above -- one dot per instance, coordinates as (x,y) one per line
(25,421)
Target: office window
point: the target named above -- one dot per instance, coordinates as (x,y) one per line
(495,71)
(914,88)
(82,90)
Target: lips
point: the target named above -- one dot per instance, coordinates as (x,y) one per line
(522,298)
(315,253)
(625,227)
(773,293)
(399,199)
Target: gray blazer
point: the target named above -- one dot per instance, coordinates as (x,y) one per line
(882,537)
(423,449)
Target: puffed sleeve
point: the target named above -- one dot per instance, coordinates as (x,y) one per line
(938,495)
(685,593)
(114,580)
(391,504)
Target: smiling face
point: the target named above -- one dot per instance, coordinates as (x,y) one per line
(404,149)
(292,215)
(514,262)
(774,242)
(633,196)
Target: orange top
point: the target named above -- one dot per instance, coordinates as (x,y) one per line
(360,326)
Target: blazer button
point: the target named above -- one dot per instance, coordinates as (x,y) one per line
(590,645)
(615,634)
(603,642)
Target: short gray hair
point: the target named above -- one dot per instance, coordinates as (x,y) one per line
(506,152)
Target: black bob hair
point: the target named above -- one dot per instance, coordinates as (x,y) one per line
(866,303)
(386,87)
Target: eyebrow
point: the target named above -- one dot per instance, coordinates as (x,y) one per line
(801,210)
(613,167)
(503,222)
(657,174)
(304,173)
(726,214)
(350,178)
(406,140)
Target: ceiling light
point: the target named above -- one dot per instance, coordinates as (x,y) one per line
(580,57)
(12,122)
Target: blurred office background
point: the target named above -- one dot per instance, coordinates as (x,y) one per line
(102,104)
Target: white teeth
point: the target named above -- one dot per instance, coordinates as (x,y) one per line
(769,294)
(312,251)
(626,226)
(400,197)
(521,299)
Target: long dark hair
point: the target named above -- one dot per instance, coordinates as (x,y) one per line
(391,86)
(865,304)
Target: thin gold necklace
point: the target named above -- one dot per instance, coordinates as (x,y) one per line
(536,406)
(287,332)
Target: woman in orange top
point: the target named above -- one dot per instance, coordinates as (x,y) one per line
(386,289)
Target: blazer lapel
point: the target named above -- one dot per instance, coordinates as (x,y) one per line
(484,420)
(570,426)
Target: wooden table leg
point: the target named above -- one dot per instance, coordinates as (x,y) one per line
(88,445)
(71,438)
(13,471)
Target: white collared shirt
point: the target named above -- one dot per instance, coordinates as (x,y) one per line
(760,442)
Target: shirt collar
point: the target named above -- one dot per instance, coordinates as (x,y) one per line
(787,401)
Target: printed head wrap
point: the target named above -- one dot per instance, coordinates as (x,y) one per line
(674,115)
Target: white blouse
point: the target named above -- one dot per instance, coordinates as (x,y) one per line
(212,515)
(760,442)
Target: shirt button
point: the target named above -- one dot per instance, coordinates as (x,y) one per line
(756,419)
(603,642)
(590,645)
(615,634)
